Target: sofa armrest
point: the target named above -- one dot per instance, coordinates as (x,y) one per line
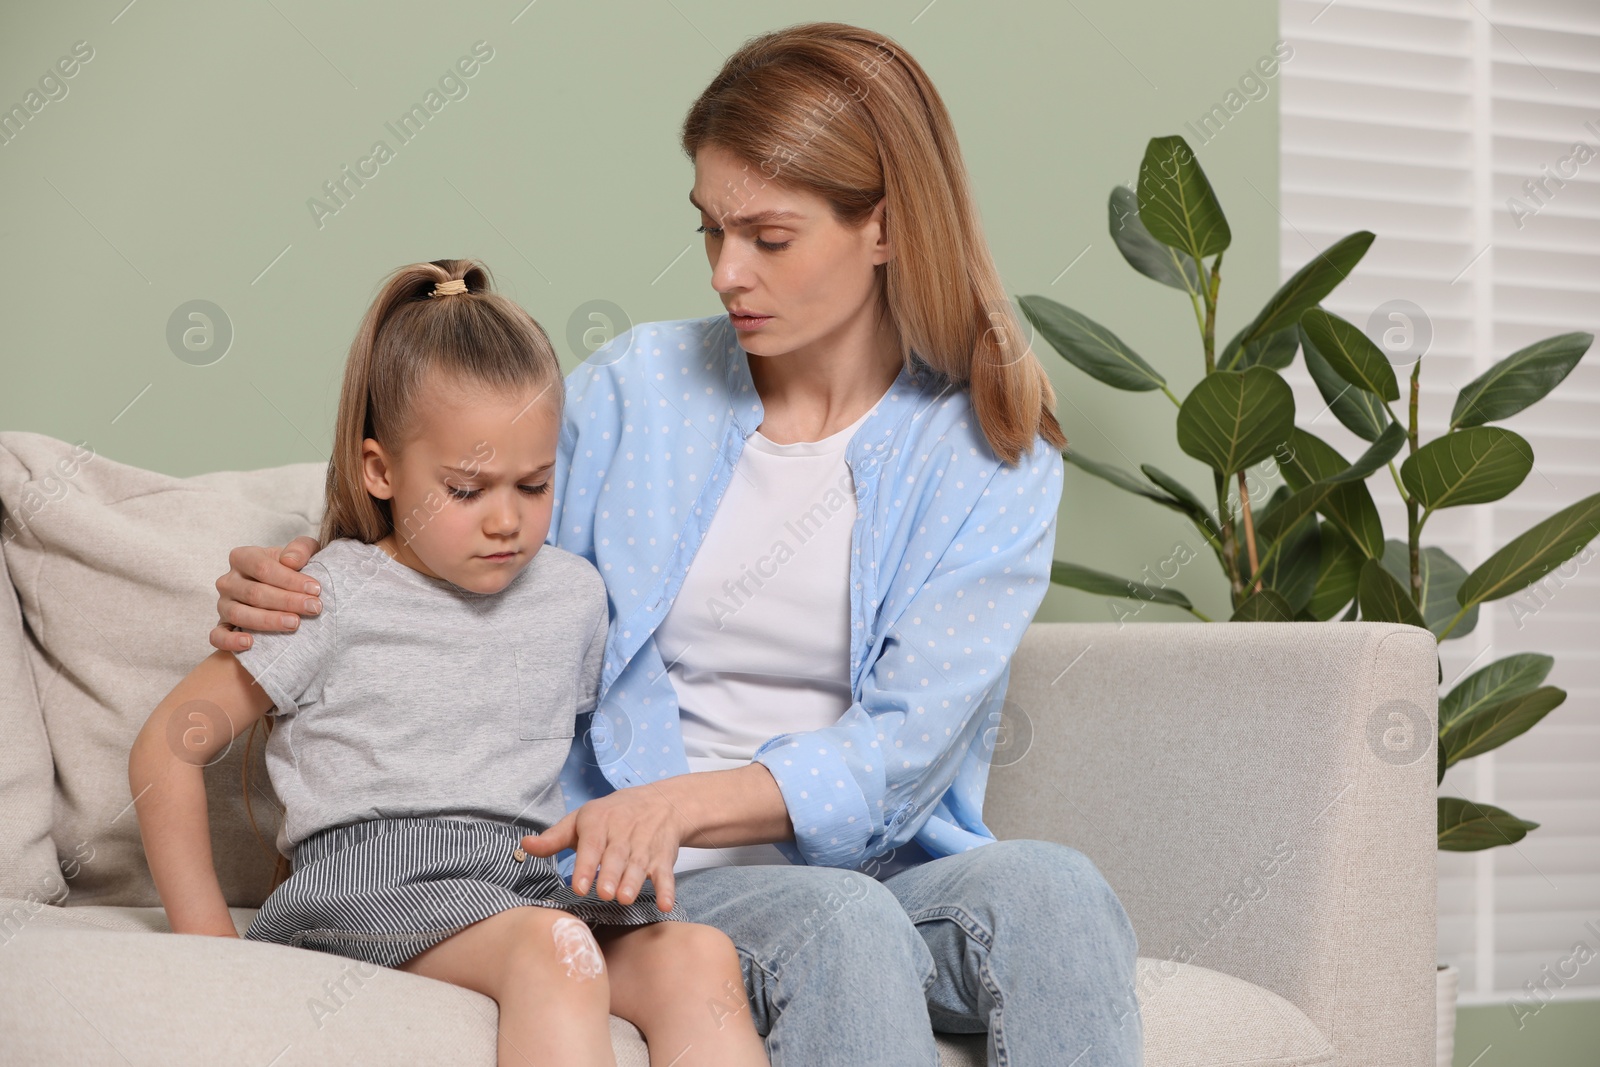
(1260,795)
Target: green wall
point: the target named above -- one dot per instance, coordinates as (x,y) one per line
(180,163)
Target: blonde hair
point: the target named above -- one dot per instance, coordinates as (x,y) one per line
(845,113)
(478,335)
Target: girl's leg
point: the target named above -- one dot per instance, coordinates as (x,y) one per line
(1033,946)
(681,985)
(544,968)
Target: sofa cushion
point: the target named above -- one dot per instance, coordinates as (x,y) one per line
(97,996)
(28,867)
(114,569)
(120,968)
(1196,1017)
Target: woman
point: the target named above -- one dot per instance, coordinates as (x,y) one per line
(824,521)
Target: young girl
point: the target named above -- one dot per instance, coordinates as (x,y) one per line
(423,718)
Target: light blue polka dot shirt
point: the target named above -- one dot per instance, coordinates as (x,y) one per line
(950,559)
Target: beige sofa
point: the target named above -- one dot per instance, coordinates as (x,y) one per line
(1261,796)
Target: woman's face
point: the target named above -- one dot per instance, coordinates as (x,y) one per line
(780,257)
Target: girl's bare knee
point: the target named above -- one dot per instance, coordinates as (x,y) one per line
(709,947)
(556,949)
(685,956)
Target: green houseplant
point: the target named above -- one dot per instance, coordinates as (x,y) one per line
(1315,546)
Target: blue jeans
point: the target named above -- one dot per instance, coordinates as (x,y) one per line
(1021,939)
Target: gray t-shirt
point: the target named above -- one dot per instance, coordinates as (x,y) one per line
(411,696)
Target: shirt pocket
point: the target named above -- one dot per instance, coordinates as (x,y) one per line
(547,698)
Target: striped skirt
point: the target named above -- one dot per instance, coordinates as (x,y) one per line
(385,890)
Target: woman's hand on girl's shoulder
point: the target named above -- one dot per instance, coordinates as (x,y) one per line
(264,590)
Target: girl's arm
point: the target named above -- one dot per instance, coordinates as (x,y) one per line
(218,702)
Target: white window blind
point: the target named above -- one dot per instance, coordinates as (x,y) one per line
(1422,120)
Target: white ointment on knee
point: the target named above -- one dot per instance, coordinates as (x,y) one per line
(577,948)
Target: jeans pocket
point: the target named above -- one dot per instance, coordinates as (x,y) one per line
(547,699)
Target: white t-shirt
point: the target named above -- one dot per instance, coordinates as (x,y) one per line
(757,640)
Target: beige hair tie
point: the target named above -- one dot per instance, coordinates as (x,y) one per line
(454,285)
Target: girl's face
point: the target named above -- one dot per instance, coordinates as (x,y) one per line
(780,257)
(471,490)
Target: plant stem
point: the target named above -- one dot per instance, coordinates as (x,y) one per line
(1230,556)
(1414,532)
(1249,532)
(1209,331)
(1208,342)
(1398,484)
(1199,615)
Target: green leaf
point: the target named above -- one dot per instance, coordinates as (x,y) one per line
(1500,680)
(1196,510)
(1173,486)
(1285,514)
(1468,827)
(1289,510)
(1338,571)
(1521,379)
(1144,253)
(1491,726)
(1176,202)
(1093,581)
(1232,419)
(1291,572)
(1120,478)
(1265,606)
(1471,466)
(1229,359)
(1308,286)
(1350,353)
(1089,346)
(1383,599)
(1382,451)
(1441,577)
(1361,412)
(1277,497)
(1275,350)
(1534,553)
(1309,459)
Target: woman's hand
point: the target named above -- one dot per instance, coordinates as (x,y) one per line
(629,834)
(264,590)
(637,831)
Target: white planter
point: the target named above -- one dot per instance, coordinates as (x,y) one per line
(1449,975)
